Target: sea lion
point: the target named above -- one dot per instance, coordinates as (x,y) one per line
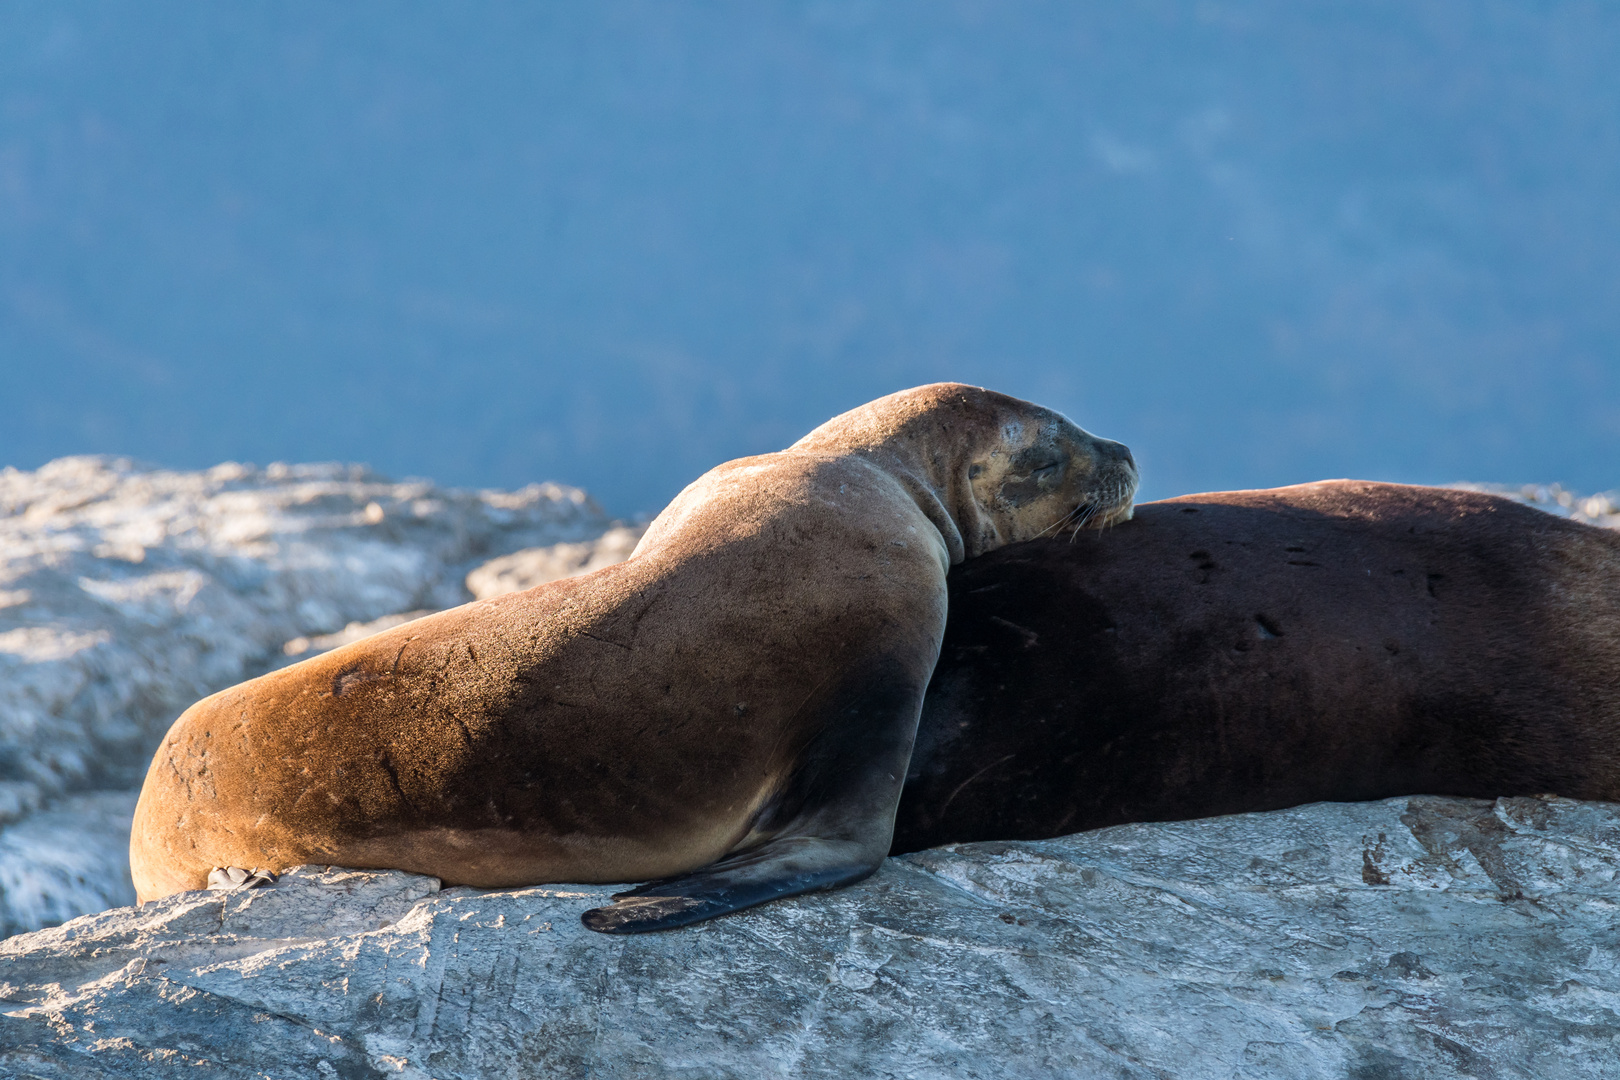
(1253,650)
(730,711)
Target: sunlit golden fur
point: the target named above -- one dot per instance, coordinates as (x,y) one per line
(752,675)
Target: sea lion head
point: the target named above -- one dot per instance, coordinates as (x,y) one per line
(1043,473)
(989,468)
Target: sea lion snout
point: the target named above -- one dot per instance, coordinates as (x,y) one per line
(1111,471)
(1113,489)
(1114,453)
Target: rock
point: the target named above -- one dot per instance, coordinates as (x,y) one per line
(509,573)
(68,859)
(1428,937)
(127,592)
(302,648)
(1602,509)
(536,566)
(1424,936)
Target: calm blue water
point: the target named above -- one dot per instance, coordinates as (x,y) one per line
(616,243)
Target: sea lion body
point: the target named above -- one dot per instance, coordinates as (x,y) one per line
(732,708)
(1253,650)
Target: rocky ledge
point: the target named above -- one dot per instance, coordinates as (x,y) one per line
(1423,937)
(128,592)
(1416,937)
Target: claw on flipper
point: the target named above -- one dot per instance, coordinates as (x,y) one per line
(232,878)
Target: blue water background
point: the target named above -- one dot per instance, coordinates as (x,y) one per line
(614,243)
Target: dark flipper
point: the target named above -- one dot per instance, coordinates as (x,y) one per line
(829,825)
(785,867)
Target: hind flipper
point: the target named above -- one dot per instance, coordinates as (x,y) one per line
(784,867)
(232,878)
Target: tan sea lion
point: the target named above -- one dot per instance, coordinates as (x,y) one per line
(1251,650)
(730,711)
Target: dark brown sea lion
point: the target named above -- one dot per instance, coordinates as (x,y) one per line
(731,710)
(1254,650)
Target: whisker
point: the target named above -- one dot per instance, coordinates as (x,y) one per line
(1091,512)
(1057,526)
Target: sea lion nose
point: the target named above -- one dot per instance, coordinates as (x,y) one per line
(1109,450)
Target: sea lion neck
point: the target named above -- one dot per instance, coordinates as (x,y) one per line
(926,439)
(939,489)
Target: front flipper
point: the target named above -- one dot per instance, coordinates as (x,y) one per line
(832,820)
(784,867)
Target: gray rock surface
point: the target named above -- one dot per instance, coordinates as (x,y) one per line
(126,593)
(536,566)
(67,859)
(1602,509)
(302,648)
(1422,937)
